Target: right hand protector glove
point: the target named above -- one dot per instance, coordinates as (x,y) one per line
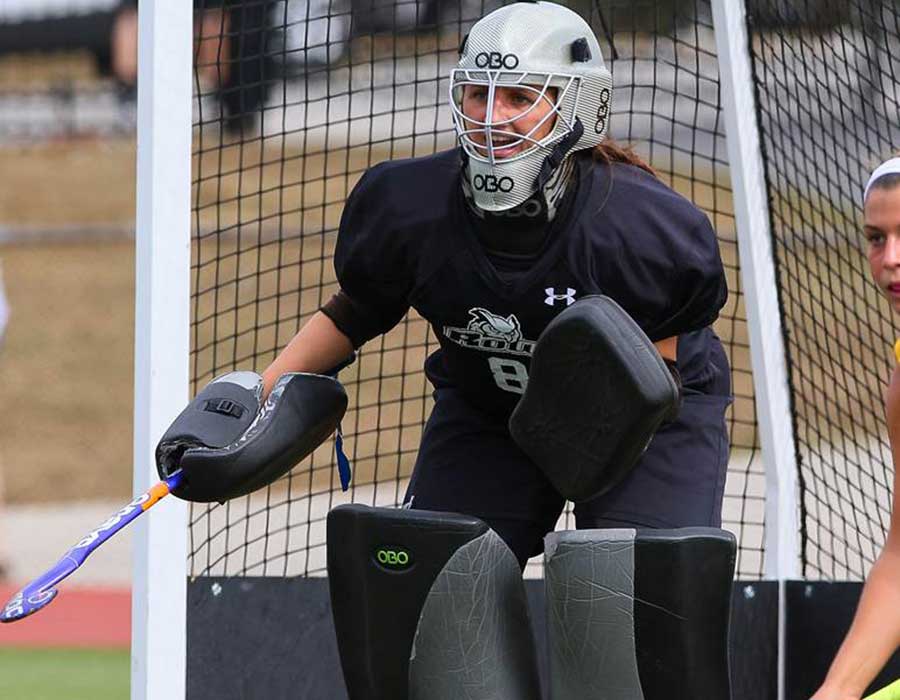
(227,443)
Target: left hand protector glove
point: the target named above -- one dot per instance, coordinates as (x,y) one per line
(597,391)
(228,444)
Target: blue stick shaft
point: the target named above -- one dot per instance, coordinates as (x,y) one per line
(41,591)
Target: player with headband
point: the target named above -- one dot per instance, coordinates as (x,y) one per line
(875,632)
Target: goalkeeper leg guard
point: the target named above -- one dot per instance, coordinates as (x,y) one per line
(639,615)
(428,606)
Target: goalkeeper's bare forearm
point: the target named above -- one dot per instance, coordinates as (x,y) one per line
(317,347)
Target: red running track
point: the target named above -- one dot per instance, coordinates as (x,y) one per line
(78,618)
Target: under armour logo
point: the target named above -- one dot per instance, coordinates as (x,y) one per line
(553,297)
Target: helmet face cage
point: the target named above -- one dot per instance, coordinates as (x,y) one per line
(536,47)
(562,107)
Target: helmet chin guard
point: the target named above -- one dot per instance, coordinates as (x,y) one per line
(550,57)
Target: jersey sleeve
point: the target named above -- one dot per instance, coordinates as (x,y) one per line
(370,260)
(699,288)
(666,272)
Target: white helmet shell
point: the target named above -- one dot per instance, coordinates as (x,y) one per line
(551,52)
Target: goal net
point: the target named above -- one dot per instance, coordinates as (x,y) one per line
(293,102)
(826,75)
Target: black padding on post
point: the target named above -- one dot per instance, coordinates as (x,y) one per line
(474,638)
(682,589)
(597,392)
(276,625)
(376,604)
(753,642)
(261,638)
(818,616)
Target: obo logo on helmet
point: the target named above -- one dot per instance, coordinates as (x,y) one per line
(492,183)
(602,111)
(496,60)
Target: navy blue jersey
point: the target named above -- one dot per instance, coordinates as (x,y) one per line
(407,240)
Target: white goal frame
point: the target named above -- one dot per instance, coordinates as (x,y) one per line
(767,351)
(162,324)
(162,349)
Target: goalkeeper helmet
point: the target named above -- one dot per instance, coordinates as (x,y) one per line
(530,88)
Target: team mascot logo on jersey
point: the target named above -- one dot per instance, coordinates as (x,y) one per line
(491,332)
(490,324)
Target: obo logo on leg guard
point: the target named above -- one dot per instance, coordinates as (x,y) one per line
(393,558)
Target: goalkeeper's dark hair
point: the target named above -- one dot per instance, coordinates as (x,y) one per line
(611,152)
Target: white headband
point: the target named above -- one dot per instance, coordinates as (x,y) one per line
(889,167)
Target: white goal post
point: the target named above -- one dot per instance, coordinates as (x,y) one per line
(767,352)
(162,323)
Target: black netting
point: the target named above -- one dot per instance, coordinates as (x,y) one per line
(293,101)
(826,74)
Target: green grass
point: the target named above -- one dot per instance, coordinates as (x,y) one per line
(64,674)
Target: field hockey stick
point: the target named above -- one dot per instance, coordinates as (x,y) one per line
(889,692)
(40,592)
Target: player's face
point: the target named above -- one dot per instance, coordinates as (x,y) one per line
(527,109)
(882,231)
